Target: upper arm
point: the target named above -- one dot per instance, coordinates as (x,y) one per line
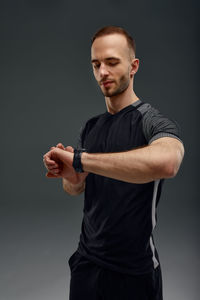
(164,134)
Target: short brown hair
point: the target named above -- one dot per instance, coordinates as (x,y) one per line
(115,29)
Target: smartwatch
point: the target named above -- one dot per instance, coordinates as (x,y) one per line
(77,165)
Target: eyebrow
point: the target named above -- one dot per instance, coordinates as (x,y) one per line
(106,59)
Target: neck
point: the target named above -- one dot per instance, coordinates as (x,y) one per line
(118,102)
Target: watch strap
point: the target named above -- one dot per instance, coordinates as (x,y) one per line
(77,165)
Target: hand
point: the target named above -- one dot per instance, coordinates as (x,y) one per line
(59,165)
(53,167)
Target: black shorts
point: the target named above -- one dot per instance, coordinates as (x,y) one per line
(93,282)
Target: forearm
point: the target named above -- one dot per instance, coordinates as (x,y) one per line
(135,166)
(73,189)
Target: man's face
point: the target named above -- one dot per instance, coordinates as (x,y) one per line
(110,57)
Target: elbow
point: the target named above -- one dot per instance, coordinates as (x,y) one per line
(172,166)
(171,170)
(169,163)
(74,190)
(73,193)
(174,161)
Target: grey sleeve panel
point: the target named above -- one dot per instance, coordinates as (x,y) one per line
(155,125)
(163,134)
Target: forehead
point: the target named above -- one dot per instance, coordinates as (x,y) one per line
(109,46)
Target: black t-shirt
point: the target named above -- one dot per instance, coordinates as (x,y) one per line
(119,217)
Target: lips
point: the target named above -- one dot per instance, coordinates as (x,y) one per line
(107,82)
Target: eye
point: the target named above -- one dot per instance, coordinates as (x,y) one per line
(113,63)
(96,66)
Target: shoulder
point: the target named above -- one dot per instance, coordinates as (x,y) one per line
(157,125)
(147,110)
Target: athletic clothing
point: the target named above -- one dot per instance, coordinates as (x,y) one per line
(119,217)
(93,282)
(116,256)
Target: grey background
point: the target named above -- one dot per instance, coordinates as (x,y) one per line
(47,92)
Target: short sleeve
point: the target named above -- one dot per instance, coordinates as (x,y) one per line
(155,125)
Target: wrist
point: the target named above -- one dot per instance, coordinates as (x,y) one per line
(83,160)
(77,160)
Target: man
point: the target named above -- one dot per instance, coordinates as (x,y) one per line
(122,159)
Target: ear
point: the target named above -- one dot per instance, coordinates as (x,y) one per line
(134,66)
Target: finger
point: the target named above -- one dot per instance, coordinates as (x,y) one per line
(55,171)
(48,155)
(52,148)
(48,160)
(60,145)
(50,175)
(50,163)
(69,148)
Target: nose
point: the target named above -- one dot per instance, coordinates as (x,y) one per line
(103,71)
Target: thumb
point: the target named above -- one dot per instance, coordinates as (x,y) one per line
(70,149)
(50,175)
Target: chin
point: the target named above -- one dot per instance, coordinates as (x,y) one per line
(109,93)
